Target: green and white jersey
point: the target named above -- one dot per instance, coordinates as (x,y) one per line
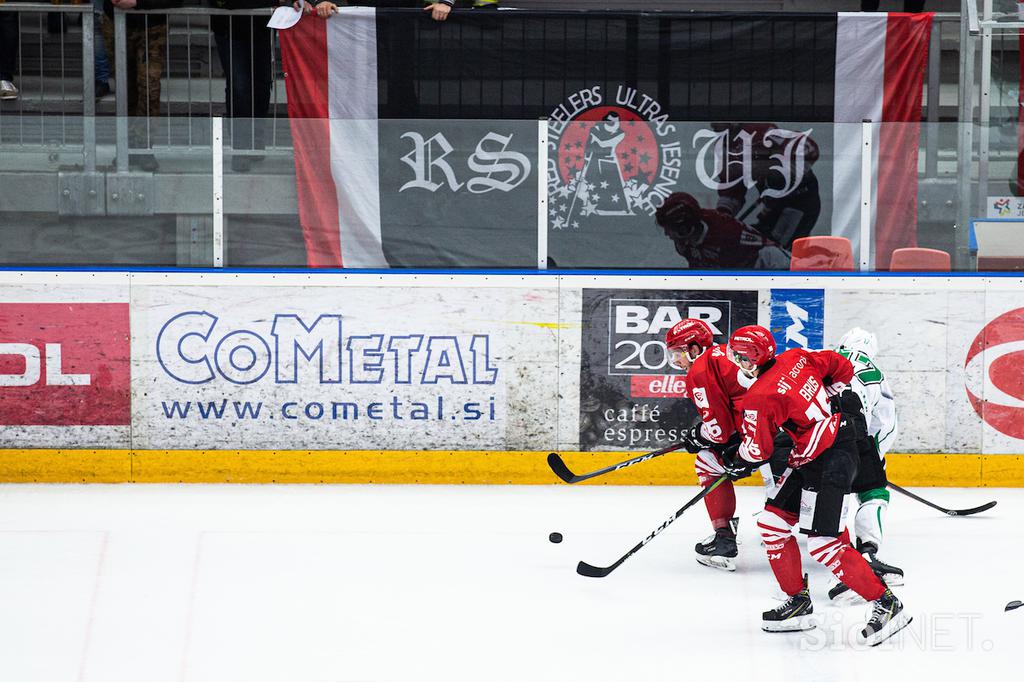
(871,386)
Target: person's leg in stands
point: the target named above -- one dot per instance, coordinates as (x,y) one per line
(8,54)
(101,63)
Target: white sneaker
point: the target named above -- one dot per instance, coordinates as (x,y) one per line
(7,90)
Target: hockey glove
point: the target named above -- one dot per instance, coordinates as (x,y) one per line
(693,440)
(735,466)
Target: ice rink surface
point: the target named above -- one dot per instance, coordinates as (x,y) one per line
(148,583)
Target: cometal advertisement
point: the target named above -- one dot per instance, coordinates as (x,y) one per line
(342,368)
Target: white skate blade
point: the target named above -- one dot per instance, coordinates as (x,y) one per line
(797,624)
(846,598)
(892,579)
(723,563)
(901,621)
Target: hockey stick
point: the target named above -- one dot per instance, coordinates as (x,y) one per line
(583,568)
(948,512)
(562,471)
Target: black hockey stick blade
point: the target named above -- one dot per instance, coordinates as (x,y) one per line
(562,471)
(948,512)
(1015,604)
(583,568)
(975,510)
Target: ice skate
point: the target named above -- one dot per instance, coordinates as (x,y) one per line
(890,575)
(719,550)
(841,595)
(886,619)
(791,616)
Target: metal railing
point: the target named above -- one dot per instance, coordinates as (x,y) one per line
(48,116)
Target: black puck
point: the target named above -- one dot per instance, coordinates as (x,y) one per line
(555,538)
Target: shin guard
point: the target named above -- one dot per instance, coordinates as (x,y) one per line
(776,528)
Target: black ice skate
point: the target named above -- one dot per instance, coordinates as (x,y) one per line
(887,618)
(791,616)
(719,550)
(890,575)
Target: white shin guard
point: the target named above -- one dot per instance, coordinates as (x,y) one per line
(868,522)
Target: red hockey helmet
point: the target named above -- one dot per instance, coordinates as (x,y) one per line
(686,333)
(753,344)
(680,217)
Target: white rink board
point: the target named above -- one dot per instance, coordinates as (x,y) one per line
(510,377)
(387,368)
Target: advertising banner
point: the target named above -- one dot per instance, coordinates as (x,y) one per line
(798,318)
(64,364)
(630,398)
(344,367)
(990,361)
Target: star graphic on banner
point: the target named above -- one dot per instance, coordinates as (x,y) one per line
(633,150)
(615,198)
(576,224)
(604,184)
(588,208)
(582,125)
(639,138)
(563,191)
(595,197)
(645,158)
(628,167)
(579,144)
(561,208)
(558,223)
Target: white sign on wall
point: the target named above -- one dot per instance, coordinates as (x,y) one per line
(342,367)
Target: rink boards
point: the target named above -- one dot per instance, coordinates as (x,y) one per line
(440,378)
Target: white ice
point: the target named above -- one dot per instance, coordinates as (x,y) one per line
(148,583)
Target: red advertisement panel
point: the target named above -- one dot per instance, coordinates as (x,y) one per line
(657,386)
(64,364)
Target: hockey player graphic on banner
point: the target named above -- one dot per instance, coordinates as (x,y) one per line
(600,185)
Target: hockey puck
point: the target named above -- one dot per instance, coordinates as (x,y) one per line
(555,538)
(1015,604)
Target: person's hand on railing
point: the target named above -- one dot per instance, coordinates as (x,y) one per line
(323,9)
(438,10)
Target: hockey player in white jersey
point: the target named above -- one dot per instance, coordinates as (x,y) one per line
(860,347)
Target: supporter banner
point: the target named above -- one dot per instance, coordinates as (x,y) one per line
(610,84)
(472,184)
(351,367)
(630,398)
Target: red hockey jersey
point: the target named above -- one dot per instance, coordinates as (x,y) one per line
(791,394)
(715,385)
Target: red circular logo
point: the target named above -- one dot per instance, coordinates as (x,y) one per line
(994,370)
(636,151)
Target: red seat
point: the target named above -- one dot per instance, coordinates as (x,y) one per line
(822,253)
(920,260)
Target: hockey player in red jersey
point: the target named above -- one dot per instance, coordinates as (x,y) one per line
(714,384)
(711,239)
(792,391)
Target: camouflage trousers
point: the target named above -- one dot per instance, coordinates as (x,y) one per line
(146,50)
